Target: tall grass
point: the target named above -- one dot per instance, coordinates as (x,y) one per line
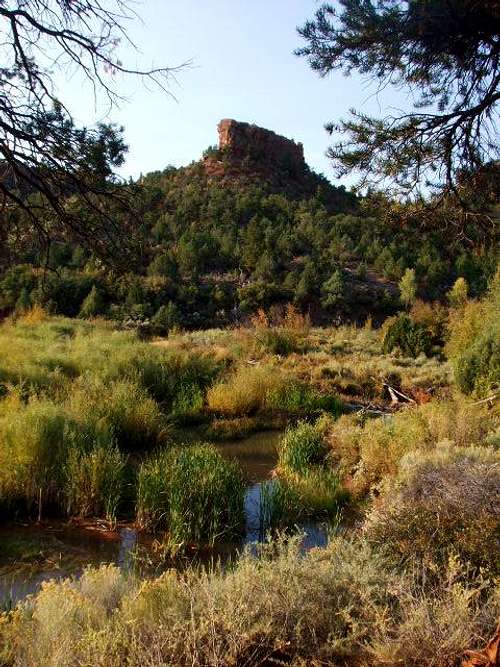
(194,493)
(206,497)
(33,446)
(265,387)
(153,491)
(51,461)
(307,486)
(302,447)
(298,398)
(245,391)
(281,333)
(94,481)
(123,407)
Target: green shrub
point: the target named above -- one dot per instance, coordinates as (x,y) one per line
(165,319)
(410,337)
(302,447)
(277,341)
(473,346)
(477,369)
(93,304)
(23,303)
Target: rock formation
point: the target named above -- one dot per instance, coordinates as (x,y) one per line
(246,149)
(242,140)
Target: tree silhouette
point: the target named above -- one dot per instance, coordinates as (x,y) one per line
(54,176)
(447,52)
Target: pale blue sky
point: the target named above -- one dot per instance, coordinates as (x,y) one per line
(243,67)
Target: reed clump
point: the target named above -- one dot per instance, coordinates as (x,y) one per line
(94,480)
(307,486)
(193,493)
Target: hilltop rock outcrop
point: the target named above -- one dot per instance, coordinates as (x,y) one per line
(242,140)
(249,150)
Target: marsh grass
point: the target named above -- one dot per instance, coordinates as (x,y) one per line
(303,447)
(94,481)
(194,493)
(245,391)
(153,491)
(299,398)
(206,497)
(266,388)
(307,486)
(188,404)
(123,407)
(33,438)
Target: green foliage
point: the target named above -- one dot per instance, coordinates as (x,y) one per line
(299,398)
(478,368)
(93,304)
(206,497)
(473,346)
(333,290)
(122,407)
(34,444)
(188,403)
(166,318)
(408,287)
(153,491)
(192,492)
(94,480)
(421,55)
(457,296)
(24,302)
(410,337)
(303,447)
(15,280)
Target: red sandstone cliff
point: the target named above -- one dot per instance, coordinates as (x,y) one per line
(248,149)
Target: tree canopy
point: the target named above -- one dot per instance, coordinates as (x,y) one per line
(447,52)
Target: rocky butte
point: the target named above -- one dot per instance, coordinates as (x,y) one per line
(242,139)
(246,148)
(248,154)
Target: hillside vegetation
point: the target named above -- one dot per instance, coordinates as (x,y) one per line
(211,249)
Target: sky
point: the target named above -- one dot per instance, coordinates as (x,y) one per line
(241,66)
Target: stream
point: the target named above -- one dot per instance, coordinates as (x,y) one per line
(31,554)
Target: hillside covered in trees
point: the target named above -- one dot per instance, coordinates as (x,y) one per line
(249,226)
